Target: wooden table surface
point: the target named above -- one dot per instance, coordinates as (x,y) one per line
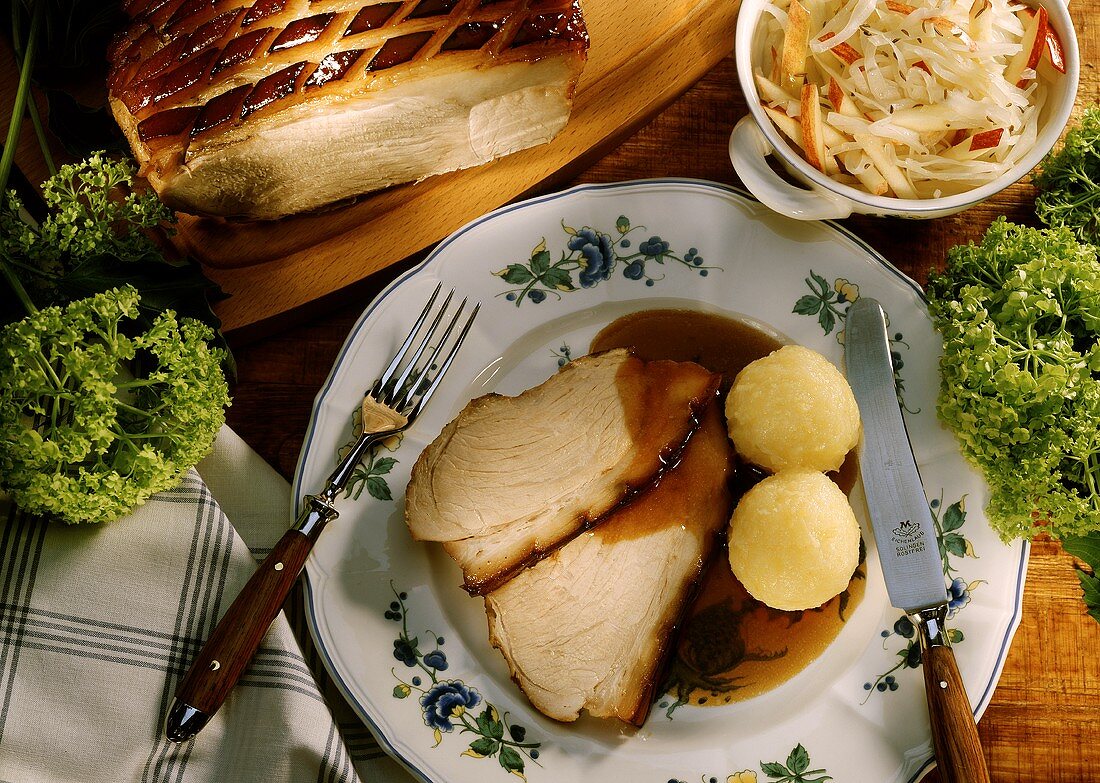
(1044,719)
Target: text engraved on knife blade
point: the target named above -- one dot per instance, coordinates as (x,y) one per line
(908,539)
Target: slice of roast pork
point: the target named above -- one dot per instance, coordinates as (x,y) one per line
(262,108)
(510,479)
(590,626)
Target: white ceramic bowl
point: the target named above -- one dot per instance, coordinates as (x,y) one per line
(755,137)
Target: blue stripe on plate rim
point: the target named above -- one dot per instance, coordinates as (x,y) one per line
(705,185)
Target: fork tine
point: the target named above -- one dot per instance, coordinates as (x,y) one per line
(412,388)
(384,378)
(391,398)
(423,401)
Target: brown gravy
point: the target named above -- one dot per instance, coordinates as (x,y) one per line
(662,430)
(730,646)
(718,343)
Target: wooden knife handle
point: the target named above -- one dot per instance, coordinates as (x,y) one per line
(237,636)
(958,750)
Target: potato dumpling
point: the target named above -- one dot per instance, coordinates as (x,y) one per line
(792,408)
(793,540)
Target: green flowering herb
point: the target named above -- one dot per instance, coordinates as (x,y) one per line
(1069,181)
(110,386)
(98,236)
(95,213)
(1020,374)
(94,420)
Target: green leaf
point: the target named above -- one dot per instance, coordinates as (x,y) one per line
(774,769)
(169,422)
(510,759)
(99,235)
(622,225)
(1068,183)
(558,278)
(516,274)
(1086,548)
(955,544)
(401,691)
(82,129)
(826,319)
(382,466)
(540,262)
(912,655)
(484,746)
(822,284)
(808,305)
(1019,315)
(1090,588)
(378,488)
(953,517)
(485,721)
(799,760)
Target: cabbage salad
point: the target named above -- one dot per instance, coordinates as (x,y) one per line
(912,100)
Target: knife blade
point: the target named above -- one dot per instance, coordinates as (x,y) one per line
(900,516)
(905,536)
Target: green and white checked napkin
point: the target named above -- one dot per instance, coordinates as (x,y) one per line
(98,624)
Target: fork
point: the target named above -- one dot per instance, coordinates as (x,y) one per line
(389,407)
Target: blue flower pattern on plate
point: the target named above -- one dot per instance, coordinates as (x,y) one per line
(447,704)
(598,255)
(593,255)
(446,700)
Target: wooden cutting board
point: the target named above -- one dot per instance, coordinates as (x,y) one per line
(642,56)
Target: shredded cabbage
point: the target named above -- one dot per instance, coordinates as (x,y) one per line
(927,109)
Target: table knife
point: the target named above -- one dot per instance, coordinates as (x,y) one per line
(906,539)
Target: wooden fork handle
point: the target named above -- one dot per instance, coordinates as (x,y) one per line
(234,642)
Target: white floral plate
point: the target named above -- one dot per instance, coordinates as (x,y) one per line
(409,648)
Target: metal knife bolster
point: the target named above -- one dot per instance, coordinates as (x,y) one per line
(930,624)
(900,517)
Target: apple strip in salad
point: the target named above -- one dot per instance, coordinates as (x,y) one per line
(914,101)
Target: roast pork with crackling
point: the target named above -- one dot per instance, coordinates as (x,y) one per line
(511,479)
(263,108)
(590,626)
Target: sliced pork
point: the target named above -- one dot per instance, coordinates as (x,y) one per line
(510,479)
(589,626)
